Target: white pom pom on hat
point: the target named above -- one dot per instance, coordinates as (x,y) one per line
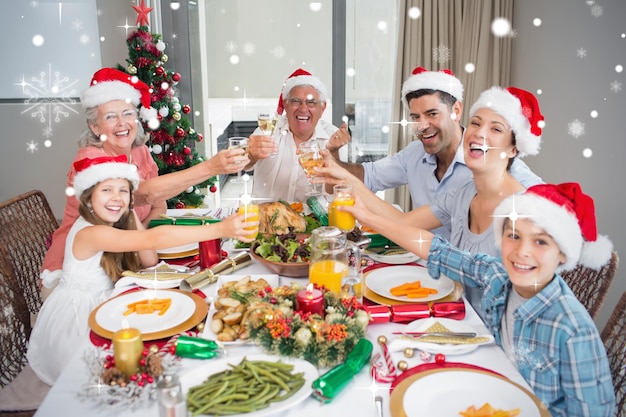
(565,213)
(297,78)
(91,171)
(109,84)
(423,79)
(521,110)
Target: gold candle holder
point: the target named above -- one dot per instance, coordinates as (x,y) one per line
(127,350)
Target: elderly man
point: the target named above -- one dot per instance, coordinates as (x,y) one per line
(435,162)
(277,174)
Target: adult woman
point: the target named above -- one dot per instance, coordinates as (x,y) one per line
(503,124)
(111,110)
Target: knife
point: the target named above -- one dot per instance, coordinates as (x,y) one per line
(438,334)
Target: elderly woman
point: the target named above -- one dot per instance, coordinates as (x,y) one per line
(112,111)
(504,124)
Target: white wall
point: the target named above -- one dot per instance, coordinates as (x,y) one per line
(545,58)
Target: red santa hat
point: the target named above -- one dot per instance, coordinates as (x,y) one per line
(109,84)
(521,110)
(298,78)
(91,171)
(565,213)
(422,79)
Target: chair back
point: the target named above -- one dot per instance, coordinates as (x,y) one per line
(27,223)
(591,286)
(14,322)
(614,338)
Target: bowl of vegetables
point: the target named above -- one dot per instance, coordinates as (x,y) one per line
(287,255)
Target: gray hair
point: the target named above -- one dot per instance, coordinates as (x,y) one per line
(88,138)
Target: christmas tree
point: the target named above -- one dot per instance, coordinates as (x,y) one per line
(171,142)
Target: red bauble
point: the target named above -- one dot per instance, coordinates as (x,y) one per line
(176,77)
(186,108)
(213,188)
(159,117)
(180,132)
(440,358)
(200,137)
(160,71)
(186,150)
(180,205)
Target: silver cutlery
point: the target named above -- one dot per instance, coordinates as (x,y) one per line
(379,405)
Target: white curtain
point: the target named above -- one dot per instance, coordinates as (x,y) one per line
(448,34)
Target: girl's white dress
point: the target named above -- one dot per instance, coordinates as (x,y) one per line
(62,324)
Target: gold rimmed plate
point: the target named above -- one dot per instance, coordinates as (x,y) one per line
(186,311)
(448,391)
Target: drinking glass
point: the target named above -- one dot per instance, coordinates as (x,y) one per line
(329,263)
(310,157)
(251,210)
(238,142)
(343,195)
(267,123)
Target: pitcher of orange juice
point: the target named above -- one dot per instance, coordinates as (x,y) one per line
(332,255)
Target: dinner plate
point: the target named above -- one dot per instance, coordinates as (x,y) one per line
(182,251)
(393,259)
(448,391)
(381,280)
(272,280)
(447,348)
(151,284)
(186,311)
(202,372)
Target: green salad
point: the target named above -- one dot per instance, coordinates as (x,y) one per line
(283,248)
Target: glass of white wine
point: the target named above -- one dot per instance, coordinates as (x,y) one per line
(310,157)
(238,142)
(267,123)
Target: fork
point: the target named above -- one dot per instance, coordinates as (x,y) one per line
(379,405)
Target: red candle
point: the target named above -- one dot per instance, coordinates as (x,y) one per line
(310,300)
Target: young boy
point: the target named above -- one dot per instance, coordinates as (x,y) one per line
(534,316)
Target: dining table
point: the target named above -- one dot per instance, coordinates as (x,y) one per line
(357,398)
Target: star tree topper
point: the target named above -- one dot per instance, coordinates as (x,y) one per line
(142,14)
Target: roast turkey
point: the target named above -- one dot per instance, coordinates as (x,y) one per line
(279,218)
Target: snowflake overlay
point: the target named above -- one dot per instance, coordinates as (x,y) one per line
(581,53)
(442,54)
(616,86)
(576,128)
(49,98)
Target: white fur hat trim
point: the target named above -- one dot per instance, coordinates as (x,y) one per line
(433,80)
(106,91)
(96,173)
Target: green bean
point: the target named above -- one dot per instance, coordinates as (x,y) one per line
(248,386)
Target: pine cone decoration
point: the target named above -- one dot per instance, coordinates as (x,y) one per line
(113,376)
(154,365)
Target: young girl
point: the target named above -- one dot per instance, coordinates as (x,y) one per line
(534,316)
(106,239)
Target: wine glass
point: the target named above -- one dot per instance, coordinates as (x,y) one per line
(238,142)
(267,123)
(310,157)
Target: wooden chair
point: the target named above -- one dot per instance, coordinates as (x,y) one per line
(591,286)
(27,223)
(15,322)
(614,338)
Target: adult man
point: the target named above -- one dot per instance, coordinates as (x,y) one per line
(434,163)
(277,173)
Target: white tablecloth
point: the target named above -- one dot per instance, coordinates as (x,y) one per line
(357,398)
